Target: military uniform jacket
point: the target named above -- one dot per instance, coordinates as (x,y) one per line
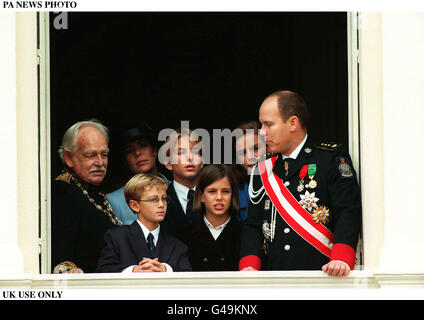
(335,200)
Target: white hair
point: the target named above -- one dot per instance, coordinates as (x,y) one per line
(69,141)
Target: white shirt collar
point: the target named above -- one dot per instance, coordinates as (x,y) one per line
(181,190)
(147,231)
(215,231)
(296,151)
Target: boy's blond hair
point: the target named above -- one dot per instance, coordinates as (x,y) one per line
(138,183)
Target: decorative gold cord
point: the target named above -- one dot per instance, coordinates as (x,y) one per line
(108,209)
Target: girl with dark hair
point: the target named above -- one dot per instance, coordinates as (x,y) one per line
(214,240)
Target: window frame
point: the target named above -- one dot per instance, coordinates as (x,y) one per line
(44,125)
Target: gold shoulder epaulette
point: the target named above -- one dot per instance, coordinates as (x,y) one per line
(65,176)
(328,146)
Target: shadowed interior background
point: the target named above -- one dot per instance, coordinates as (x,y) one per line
(211,68)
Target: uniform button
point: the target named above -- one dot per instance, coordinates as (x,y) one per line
(205,260)
(222,259)
(287,247)
(286,230)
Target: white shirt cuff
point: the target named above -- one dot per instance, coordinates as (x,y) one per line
(168,267)
(128,269)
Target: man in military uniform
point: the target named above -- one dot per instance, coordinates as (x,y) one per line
(305,210)
(80,212)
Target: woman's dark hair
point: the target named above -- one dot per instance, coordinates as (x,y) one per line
(239,171)
(209,175)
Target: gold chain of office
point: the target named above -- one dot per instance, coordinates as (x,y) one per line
(107,209)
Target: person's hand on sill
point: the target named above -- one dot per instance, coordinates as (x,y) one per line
(248,269)
(336,268)
(76,270)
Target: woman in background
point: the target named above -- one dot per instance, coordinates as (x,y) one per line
(248,146)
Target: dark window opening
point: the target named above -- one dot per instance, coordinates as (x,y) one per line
(213,69)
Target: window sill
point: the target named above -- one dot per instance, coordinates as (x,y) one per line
(210,281)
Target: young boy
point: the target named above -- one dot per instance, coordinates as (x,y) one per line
(143,246)
(185,163)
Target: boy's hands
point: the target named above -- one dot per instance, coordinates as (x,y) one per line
(149,265)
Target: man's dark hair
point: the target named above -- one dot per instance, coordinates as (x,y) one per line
(292,104)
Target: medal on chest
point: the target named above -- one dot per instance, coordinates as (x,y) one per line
(302,175)
(312,169)
(321,215)
(308,201)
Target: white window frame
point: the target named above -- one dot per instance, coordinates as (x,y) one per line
(44,122)
(45,154)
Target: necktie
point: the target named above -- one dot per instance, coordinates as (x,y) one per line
(189,208)
(151,246)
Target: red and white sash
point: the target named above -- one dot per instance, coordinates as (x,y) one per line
(292,212)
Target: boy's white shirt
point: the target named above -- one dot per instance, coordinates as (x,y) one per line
(182,192)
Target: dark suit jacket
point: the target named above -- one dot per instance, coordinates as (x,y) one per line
(208,254)
(175,217)
(126,246)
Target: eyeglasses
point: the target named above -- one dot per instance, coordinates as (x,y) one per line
(156,200)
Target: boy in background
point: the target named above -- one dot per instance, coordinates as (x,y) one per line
(185,162)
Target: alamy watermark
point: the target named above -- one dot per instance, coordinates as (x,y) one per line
(201,146)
